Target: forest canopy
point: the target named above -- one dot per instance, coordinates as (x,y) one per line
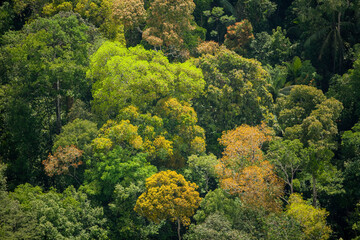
(179,119)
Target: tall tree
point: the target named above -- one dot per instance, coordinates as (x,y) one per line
(168,196)
(306,114)
(44,69)
(142,77)
(243,171)
(168,22)
(236,92)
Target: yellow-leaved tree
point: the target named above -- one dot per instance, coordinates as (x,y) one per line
(244,172)
(313,220)
(168,196)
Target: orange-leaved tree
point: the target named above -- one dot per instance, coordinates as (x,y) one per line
(63,159)
(239,35)
(168,196)
(243,171)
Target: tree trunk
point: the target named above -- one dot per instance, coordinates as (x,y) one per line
(314,191)
(58,113)
(178,228)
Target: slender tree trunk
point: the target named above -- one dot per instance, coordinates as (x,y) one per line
(58,113)
(314,190)
(178,228)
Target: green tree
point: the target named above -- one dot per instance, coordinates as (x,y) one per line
(168,196)
(306,114)
(215,227)
(288,159)
(119,166)
(201,170)
(312,220)
(256,11)
(345,88)
(125,223)
(44,68)
(217,18)
(78,132)
(62,215)
(14,222)
(326,29)
(142,77)
(236,92)
(272,49)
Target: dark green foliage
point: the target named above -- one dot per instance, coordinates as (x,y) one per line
(44,67)
(62,215)
(14,222)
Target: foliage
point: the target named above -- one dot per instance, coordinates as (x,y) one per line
(306,114)
(311,219)
(345,88)
(168,196)
(242,170)
(130,13)
(256,11)
(288,158)
(236,92)
(301,73)
(283,226)
(14,222)
(238,36)
(62,215)
(272,49)
(201,170)
(117,166)
(216,17)
(168,22)
(44,67)
(125,223)
(142,78)
(78,132)
(215,227)
(62,160)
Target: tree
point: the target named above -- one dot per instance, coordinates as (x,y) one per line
(168,196)
(62,215)
(130,13)
(78,132)
(236,92)
(201,170)
(216,17)
(14,222)
(257,11)
(312,220)
(62,160)
(168,22)
(272,49)
(242,170)
(306,114)
(142,77)
(215,227)
(288,159)
(326,31)
(124,223)
(238,36)
(44,68)
(345,88)
(118,166)
(98,13)
(301,73)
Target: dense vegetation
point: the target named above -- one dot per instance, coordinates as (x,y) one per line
(180,119)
